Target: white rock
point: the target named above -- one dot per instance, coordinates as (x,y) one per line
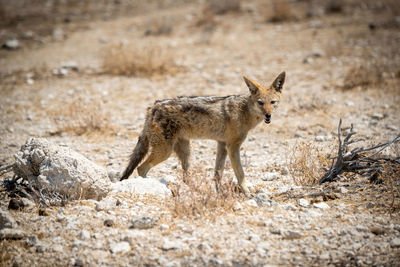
(321,205)
(144,222)
(84,235)
(263,200)
(303,202)
(271,176)
(6,220)
(377,116)
(164,227)
(169,245)
(290,234)
(237,206)
(320,138)
(8,233)
(11,44)
(251,203)
(122,246)
(141,186)
(395,243)
(60,169)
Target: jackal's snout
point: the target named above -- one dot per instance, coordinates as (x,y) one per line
(267,118)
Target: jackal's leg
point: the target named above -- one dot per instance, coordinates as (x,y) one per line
(158,154)
(220,162)
(234,155)
(182,149)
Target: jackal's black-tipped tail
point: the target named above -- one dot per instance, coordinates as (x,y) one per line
(137,156)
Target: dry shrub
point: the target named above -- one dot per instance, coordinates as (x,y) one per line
(81,116)
(281,11)
(391,177)
(223,6)
(362,76)
(158,26)
(198,197)
(306,162)
(139,59)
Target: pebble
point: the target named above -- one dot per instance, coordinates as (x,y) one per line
(251,203)
(237,206)
(291,234)
(395,243)
(391,127)
(144,222)
(321,205)
(11,44)
(303,202)
(263,200)
(320,138)
(109,223)
(271,176)
(6,220)
(122,247)
(84,235)
(170,245)
(377,116)
(8,233)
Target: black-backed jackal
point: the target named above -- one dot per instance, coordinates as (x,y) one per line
(171,123)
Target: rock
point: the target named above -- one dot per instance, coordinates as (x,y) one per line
(284,171)
(275,231)
(12,44)
(169,245)
(290,234)
(391,127)
(141,186)
(144,222)
(349,103)
(31,241)
(303,202)
(84,235)
(237,206)
(108,223)
(251,203)
(263,248)
(164,227)
(114,176)
(122,246)
(8,233)
(28,204)
(106,204)
(271,176)
(16,204)
(263,200)
(321,205)
(377,116)
(377,230)
(60,169)
(58,34)
(395,243)
(70,65)
(6,220)
(43,212)
(320,138)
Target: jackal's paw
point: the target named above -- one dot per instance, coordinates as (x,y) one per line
(245,190)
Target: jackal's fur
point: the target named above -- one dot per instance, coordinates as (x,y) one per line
(171,123)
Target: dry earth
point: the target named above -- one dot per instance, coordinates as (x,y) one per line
(98,111)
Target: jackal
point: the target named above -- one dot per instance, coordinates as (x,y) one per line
(171,123)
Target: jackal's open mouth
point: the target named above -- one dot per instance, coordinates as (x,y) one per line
(267,118)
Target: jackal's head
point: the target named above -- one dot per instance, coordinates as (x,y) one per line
(266,99)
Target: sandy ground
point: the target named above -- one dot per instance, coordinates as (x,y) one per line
(357,226)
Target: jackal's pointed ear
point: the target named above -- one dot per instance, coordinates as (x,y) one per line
(253,86)
(279,81)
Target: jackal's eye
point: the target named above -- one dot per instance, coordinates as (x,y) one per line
(273,102)
(260,102)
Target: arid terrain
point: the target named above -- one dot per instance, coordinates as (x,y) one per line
(82,73)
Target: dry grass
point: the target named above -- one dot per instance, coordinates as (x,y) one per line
(281,11)
(198,197)
(306,162)
(81,116)
(362,76)
(223,6)
(139,59)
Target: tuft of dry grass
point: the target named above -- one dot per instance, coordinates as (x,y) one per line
(198,197)
(81,116)
(306,162)
(362,76)
(223,6)
(139,59)
(280,11)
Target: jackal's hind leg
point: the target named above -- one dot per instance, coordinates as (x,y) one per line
(220,163)
(158,154)
(234,156)
(182,150)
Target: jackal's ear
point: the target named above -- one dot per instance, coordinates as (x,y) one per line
(279,81)
(253,86)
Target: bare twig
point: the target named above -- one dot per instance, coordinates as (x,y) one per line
(357,160)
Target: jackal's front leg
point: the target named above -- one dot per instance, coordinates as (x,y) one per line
(220,163)
(234,155)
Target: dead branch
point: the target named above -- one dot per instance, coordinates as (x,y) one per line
(357,160)
(7,168)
